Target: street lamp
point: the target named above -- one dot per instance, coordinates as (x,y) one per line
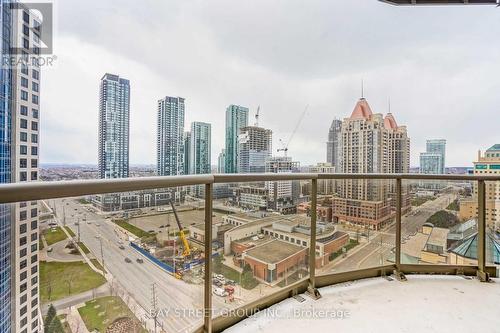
(102,253)
(78,226)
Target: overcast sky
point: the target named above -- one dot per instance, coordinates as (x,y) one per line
(438,65)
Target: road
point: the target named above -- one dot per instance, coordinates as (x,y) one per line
(379,248)
(137,279)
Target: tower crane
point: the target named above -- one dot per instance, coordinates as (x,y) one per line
(257,116)
(284,147)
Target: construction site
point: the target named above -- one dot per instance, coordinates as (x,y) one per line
(166,240)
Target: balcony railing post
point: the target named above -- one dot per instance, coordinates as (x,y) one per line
(481,223)
(399,275)
(311,290)
(207,304)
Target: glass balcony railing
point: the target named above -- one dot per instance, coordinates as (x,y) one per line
(202,252)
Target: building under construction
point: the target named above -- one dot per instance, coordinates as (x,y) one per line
(255,147)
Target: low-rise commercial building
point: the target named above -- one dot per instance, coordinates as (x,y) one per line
(272,261)
(251,230)
(252,197)
(131,200)
(244,226)
(296,230)
(323,213)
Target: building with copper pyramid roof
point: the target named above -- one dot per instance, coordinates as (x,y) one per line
(370,143)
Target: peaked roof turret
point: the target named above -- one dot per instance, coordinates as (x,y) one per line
(361,110)
(390,122)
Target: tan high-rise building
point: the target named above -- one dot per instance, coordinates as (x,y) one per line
(370,143)
(486,164)
(325,186)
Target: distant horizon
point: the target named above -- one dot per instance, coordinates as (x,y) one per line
(54,164)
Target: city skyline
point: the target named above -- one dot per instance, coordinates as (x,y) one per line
(426,92)
(350,187)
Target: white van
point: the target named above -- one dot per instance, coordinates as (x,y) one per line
(219,291)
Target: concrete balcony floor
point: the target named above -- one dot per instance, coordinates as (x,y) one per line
(424,303)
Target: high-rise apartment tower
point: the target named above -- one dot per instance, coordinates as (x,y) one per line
(114,117)
(236,118)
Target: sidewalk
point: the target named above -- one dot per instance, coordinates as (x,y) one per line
(85,257)
(74,320)
(73,300)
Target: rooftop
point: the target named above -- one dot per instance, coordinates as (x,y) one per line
(263,222)
(467,248)
(438,237)
(424,303)
(253,241)
(274,251)
(414,245)
(495,147)
(362,110)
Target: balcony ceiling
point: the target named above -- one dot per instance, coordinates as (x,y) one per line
(422,304)
(441,2)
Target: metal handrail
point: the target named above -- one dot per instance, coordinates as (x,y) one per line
(16,192)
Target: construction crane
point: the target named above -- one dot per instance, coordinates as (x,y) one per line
(257,116)
(187,250)
(284,147)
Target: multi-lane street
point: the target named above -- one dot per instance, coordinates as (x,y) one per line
(178,301)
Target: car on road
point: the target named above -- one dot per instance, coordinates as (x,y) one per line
(49,249)
(121,247)
(219,292)
(139,260)
(97,225)
(217,283)
(127,260)
(88,222)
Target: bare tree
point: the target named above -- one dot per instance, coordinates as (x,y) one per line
(49,284)
(112,287)
(127,299)
(69,278)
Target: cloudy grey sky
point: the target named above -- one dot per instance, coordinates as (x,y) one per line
(439,67)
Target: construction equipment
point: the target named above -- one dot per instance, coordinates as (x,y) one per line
(257,116)
(284,146)
(187,250)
